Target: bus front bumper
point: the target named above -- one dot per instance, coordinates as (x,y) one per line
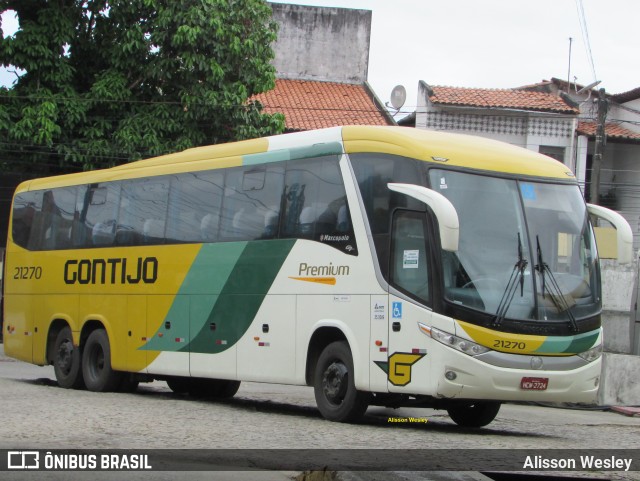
(465,377)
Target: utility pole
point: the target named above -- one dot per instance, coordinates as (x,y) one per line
(601,140)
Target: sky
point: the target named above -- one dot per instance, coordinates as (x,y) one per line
(494,43)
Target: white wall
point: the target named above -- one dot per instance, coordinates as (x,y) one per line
(626,168)
(322,43)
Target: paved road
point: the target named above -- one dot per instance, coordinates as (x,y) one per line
(38,414)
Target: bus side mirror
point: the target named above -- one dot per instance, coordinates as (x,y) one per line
(443,209)
(624,233)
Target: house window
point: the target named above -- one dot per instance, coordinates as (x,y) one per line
(553,152)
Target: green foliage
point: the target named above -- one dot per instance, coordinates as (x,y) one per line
(110,81)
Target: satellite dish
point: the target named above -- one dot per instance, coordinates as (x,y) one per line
(398,97)
(589,87)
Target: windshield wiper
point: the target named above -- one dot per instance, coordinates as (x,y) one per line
(517,274)
(563,302)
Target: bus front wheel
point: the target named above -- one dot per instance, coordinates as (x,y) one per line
(474,414)
(67,360)
(334,387)
(96,364)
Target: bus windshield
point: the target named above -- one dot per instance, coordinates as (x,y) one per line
(526,249)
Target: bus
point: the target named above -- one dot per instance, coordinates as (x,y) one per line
(384,266)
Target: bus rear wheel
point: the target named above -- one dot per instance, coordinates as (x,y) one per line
(213,388)
(179,385)
(67,360)
(334,387)
(96,364)
(474,414)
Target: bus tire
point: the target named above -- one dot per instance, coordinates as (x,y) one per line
(67,361)
(474,414)
(334,386)
(179,385)
(129,383)
(227,389)
(96,364)
(213,388)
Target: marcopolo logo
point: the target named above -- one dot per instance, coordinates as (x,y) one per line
(334,238)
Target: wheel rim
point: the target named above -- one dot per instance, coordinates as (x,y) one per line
(335,382)
(64,359)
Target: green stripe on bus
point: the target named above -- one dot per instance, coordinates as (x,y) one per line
(208,275)
(316,150)
(569,345)
(242,296)
(583,342)
(221,295)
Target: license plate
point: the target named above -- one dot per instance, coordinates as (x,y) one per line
(534,383)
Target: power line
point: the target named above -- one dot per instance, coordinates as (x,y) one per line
(585,36)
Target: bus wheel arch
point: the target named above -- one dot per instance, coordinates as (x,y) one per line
(64,355)
(334,385)
(320,339)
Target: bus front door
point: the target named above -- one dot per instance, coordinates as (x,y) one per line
(409,293)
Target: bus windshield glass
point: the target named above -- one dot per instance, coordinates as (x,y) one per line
(526,249)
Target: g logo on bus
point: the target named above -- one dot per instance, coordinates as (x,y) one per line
(398,367)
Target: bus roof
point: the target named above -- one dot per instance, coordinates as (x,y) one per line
(450,149)
(458,150)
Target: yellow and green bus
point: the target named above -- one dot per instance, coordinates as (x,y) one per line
(380,265)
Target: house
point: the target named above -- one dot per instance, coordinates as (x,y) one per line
(538,121)
(322,62)
(552,117)
(620,172)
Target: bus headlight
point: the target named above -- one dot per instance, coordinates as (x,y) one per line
(592,354)
(463,345)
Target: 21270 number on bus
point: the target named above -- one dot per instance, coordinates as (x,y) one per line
(509,344)
(27,272)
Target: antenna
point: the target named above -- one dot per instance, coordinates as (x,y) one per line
(398,97)
(569,69)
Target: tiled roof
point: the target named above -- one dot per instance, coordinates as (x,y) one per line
(627,96)
(613,131)
(311,105)
(501,99)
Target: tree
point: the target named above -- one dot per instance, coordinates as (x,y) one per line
(110,81)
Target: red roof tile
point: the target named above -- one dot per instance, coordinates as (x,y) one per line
(613,131)
(500,98)
(311,105)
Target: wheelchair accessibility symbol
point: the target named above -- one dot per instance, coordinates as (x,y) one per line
(396,312)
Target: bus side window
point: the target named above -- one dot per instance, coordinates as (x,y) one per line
(143,209)
(101,213)
(251,202)
(26,211)
(373,172)
(315,201)
(58,211)
(195,199)
(81,234)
